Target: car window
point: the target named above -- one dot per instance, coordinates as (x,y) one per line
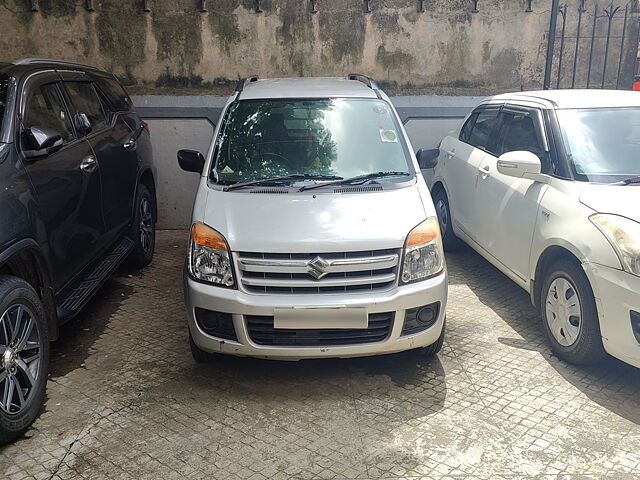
(465,132)
(480,134)
(86,100)
(518,132)
(45,109)
(115,94)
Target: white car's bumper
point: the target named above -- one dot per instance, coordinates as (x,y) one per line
(617,296)
(241,304)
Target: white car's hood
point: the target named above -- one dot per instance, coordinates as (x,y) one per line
(314,222)
(617,199)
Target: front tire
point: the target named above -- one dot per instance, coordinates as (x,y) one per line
(200,356)
(143,229)
(431,350)
(449,239)
(24,356)
(569,314)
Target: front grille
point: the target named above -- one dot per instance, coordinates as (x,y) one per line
(262,332)
(297,273)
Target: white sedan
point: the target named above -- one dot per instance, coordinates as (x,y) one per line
(546,186)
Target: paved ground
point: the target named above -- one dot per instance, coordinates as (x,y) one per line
(125,400)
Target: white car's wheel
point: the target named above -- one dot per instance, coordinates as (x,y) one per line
(569,314)
(441,202)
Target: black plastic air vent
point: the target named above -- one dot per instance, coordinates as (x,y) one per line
(270,190)
(368,188)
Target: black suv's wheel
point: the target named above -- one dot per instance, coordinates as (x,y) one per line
(143,229)
(441,202)
(24,356)
(434,348)
(569,314)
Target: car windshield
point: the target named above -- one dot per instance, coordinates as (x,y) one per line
(603,144)
(337,137)
(5,82)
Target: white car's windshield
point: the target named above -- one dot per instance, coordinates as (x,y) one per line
(603,144)
(336,138)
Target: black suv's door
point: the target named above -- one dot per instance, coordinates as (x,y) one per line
(114,145)
(66,182)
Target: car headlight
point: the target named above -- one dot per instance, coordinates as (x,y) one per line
(423,255)
(624,236)
(209,259)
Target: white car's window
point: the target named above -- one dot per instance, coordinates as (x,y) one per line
(339,137)
(478,132)
(603,144)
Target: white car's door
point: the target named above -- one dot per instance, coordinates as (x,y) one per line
(461,157)
(509,206)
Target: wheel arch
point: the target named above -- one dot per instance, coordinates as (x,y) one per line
(25,260)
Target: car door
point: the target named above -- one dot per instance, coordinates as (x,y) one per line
(461,158)
(509,206)
(66,182)
(114,145)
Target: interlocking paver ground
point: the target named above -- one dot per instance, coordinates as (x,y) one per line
(125,400)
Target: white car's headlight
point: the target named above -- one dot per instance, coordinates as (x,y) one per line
(423,255)
(209,259)
(624,235)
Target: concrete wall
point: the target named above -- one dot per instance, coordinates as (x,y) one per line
(447,49)
(183,125)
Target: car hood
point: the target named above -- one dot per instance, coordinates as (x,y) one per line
(314,222)
(617,199)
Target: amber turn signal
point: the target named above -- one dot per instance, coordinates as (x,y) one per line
(207,237)
(425,232)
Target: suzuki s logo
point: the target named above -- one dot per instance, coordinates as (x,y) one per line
(317,267)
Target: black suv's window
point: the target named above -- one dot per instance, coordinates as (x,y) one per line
(115,94)
(479,134)
(85,99)
(518,132)
(46,109)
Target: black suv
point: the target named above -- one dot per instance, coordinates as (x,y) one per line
(77,198)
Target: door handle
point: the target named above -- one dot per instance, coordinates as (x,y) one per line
(484,171)
(450,153)
(88,164)
(130,144)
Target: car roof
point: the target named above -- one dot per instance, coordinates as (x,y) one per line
(318,87)
(575,98)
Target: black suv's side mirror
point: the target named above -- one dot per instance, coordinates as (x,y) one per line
(191,161)
(39,141)
(427,158)
(82,123)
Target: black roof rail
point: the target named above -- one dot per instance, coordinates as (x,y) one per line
(35,61)
(368,81)
(241,82)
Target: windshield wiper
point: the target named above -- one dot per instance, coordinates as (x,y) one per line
(294,176)
(359,178)
(628,181)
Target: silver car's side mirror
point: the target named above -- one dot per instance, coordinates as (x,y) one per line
(520,164)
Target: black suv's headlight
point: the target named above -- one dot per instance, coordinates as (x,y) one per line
(209,258)
(423,255)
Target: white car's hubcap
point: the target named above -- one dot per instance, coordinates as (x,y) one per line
(563,311)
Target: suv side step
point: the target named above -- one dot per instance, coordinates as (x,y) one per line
(73,303)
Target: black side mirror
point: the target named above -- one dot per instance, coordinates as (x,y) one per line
(39,141)
(191,161)
(82,123)
(427,158)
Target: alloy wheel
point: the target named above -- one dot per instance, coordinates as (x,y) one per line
(563,311)
(146,224)
(441,211)
(20,360)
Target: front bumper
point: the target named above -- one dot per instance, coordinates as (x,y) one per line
(617,294)
(239,304)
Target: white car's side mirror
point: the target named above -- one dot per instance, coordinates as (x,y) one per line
(520,164)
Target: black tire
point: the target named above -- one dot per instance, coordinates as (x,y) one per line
(143,229)
(431,350)
(449,239)
(587,347)
(200,356)
(15,292)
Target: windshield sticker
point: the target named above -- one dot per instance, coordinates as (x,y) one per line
(388,136)
(227,170)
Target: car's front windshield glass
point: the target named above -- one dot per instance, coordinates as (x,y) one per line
(603,144)
(5,83)
(335,137)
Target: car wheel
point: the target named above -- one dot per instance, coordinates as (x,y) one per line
(569,314)
(24,356)
(143,229)
(433,349)
(199,355)
(441,202)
